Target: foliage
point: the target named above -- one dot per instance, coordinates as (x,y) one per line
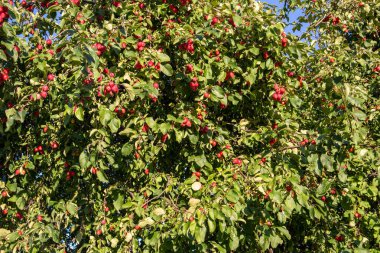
(191,125)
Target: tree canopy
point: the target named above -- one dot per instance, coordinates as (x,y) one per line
(189,126)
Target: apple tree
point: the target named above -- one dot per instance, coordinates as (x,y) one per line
(189,126)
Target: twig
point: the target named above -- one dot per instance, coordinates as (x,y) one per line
(292,147)
(320,21)
(158,196)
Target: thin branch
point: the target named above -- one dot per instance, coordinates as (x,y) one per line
(320,21)
(292,147)
(158,196)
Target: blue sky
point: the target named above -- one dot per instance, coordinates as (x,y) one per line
(292,16)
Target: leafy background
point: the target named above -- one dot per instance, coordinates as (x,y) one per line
(177,126)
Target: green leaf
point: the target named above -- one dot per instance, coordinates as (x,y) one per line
(326,162)
(3,56)
(150,122)
(72,208)
(290,203)
(105,116)
(232,196)
(193,139)
(83,159)
(218,92)
(102,178)
(323,188)
(4,232)
(118,203)
(166,69)
(233,242)
(237,20)
(20,203)
(79,113)
(114,125)
(359,114)
(12,237)
(114,242)
(295,101)
(211,225)
(127,149)
(200,234)
(163,57)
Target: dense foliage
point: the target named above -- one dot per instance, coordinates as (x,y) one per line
(189,126)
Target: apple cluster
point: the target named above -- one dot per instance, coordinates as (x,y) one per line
(111,88)
(100,48)
(121,111)
(186,122)
(284,40)
(3,14)
(185,2)
(39,149)
(194,84)
(75,2)
(4,75)
(279,92)
(47,4)
(140,46)
(187,46)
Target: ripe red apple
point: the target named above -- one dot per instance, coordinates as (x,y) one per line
(284,42)
(43,94)
(339,238)
(266,55)
(39,218)
(48,42)
(99,232)
(45,88)
(94,170)
(214,21)
(186,122)
(54,145)
(75,2)
(146,171)
(323,198)
(164,138)
(50,77)
(272,141)
(357,215)
(4,194)
(237,161)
